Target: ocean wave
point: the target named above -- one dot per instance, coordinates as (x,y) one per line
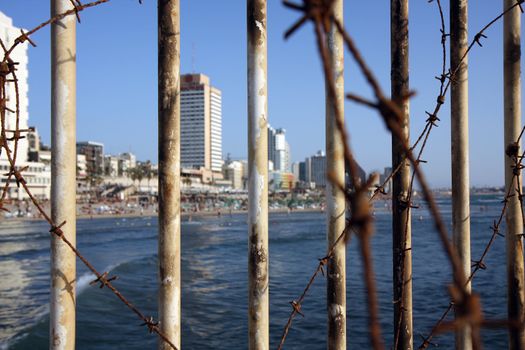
(42,312)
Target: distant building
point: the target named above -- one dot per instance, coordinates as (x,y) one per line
(295,170)
(271,144)
(94,152)
(279,149)
(37,177)
(281,181)
(37,174)
(233,171)
(126,161)
(287,159)
(111,166)
(8,34)
(318,169)
(201,123)
(305,170)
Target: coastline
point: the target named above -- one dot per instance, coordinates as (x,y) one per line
(155,214)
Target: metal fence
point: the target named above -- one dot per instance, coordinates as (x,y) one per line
(332,40)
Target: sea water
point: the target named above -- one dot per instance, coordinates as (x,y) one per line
(214,280)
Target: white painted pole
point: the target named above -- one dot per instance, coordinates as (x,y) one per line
(63,177)
(258,281)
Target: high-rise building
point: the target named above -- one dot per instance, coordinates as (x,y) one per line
(318,169)
(278,149)
(295,170)
(201,123)
(8,34)
(37,174)
(287,159)
(305,170)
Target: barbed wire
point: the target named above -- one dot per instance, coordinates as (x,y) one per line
(361,222)
(319,12)
(390,114)
(8,75)
(479,264)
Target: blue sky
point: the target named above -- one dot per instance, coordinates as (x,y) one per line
(117,72)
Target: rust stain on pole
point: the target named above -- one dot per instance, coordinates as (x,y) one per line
(258,300)
(63,179)
(401,221)
(512,126)
(335,200)
(460,150)
(169,171)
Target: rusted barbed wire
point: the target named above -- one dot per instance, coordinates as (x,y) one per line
(8,69)
(361,219)
(320,14)
(479,264)
(429,125)
(389,114)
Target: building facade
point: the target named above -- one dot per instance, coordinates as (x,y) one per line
(201,123)
(8,34)
(278,150)
(36,173)
(318,169)
(233,171)
(126,161)
(111,164)
(94,152)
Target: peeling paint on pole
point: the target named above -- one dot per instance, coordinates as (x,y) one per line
(512,128)
(169,171)
(460,149)
(63,179)
(258,300)
(335,200)
(401,221)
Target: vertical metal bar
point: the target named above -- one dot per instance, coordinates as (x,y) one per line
(169,171)
(335,200)
(513,218)
(63,179)
(401,221)
(258,309)
(460,150)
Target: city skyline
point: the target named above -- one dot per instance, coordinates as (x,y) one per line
(296,98)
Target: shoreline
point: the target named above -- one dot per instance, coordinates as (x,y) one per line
(155,214)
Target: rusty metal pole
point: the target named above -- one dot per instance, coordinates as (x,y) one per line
(513,218)
(169,171)
(63,179)
(401,221)
(460,149)
(258,308)
(335,200)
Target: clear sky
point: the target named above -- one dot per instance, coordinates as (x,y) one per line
(117,73)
